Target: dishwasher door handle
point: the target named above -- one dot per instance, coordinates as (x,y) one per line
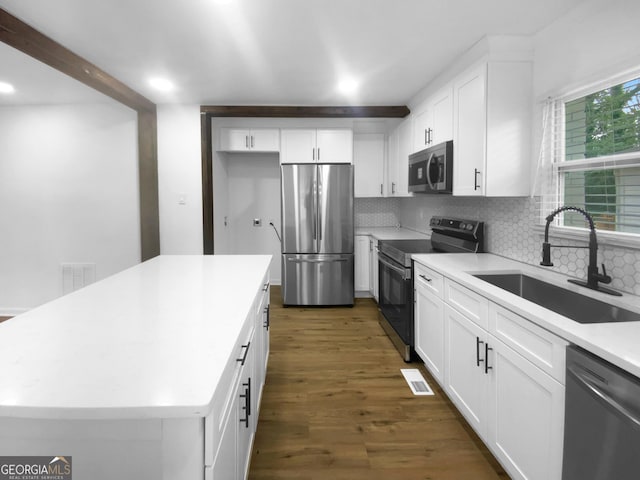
(581,378)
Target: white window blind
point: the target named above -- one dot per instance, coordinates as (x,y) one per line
(590,157)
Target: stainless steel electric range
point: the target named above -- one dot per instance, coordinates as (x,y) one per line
(395,267)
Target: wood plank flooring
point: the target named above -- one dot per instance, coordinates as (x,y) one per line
(335,406)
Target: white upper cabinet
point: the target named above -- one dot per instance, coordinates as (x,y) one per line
(398,160)
(368,161)
(433,121)
(249,140)
(491,129)
(316,146)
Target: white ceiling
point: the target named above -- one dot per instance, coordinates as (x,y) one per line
(272,52)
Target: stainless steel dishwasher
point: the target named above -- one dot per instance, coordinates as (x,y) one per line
(602,420)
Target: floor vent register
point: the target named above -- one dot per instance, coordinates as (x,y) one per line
(416,381)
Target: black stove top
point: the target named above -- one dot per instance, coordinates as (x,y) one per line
(410,246)
(447,236)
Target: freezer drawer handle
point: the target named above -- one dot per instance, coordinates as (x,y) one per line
(581,378)
(246,352)
(316,260)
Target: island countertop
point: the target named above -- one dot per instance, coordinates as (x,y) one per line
(148,342)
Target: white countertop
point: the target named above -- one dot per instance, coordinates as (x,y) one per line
(618,343)
(391,233)
(148,342)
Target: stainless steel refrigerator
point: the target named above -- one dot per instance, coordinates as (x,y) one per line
(317,234)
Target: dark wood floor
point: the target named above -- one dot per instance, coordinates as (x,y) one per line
(336,406)
(2,319)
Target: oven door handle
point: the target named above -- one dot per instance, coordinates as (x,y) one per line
(399,270)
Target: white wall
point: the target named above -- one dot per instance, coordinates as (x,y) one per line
(180,180)
(254,193)
(596,39)
(68,194)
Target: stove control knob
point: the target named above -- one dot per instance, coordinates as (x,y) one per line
(463,226)
(469,226)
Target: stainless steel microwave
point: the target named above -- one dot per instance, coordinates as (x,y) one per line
(431,169)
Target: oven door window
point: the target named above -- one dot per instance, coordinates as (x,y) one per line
(396,299)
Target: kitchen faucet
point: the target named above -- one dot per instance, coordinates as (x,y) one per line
(593,275)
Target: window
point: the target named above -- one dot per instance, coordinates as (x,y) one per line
(595,157)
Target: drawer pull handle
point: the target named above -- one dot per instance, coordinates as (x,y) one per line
(424,278)
(486,358)
(478,359)
(247,402)
(246,352)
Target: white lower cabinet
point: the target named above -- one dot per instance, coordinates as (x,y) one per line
(373,267)
(526,416)
(362,263)
(511,402)
(465,381)
(230,427)
(429,320)
(503,373)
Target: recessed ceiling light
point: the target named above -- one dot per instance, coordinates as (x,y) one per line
(348,85)
(6,88)
(161,84)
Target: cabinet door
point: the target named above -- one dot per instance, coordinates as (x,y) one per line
(225,464)
(334,146)
(373,267)
(429,331)
(234,139)
(398,160)
(361,251)
(422,129)
(297,146)
(262,340)
(246,400)
(368,161)
(264,140)
(442,116)
(465,380)
(527,416)
(470,123)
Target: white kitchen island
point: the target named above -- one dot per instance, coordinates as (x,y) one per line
(153,373)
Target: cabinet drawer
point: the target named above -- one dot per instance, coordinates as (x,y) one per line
(540,347)
(426,278)
(467,302)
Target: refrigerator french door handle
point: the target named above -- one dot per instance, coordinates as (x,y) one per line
(314,207)
(319,206)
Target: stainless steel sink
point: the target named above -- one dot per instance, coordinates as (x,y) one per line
(581,308)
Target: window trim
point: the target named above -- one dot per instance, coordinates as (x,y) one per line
(605,237)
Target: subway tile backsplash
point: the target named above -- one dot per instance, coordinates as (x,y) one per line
(509,228)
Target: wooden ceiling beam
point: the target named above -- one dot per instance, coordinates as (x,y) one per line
(305,111)
(23,37)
